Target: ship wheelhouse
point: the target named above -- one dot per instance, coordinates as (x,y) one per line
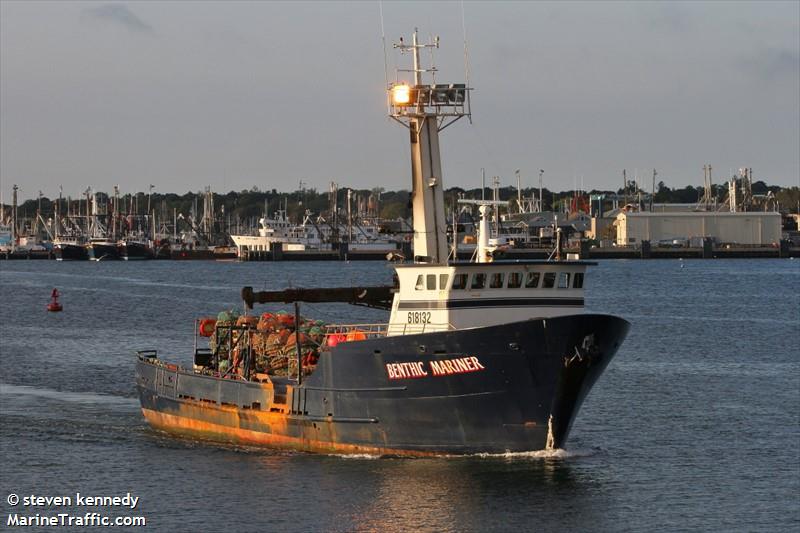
(465,295)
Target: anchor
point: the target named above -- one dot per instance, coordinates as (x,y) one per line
(587,350)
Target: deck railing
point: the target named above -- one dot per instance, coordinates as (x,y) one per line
(359,332)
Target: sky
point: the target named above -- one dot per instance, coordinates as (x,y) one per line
(183,95)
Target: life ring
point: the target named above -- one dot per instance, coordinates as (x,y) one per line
(207,327)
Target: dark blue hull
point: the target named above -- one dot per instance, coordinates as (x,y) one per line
(509,388)
(70,252)
(133,250)
(102,251)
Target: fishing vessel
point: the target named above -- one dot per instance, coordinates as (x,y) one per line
(101,244)
(134,248)
(102,248)
(476,357)
(359,238)
(271,231)
(70,248)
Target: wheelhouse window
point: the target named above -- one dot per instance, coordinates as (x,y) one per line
(532,280)
(514,280)
(459,281)
(443,278)
(563,280)
(577,280)
(478,280)
(496,281)
(420,283)
(549,280)
(431,282)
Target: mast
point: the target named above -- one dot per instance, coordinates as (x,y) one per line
(349,217)
(541,198)
(147,216)
(14,215)
(483,254)
(58,208)
(114,214)
(496,198)
(426,110)
(653,190)
(87,193)
(625,186)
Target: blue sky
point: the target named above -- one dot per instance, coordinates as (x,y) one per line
(234,95)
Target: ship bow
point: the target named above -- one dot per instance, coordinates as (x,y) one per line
(586,344)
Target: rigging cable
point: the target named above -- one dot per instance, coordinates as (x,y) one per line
(383,38)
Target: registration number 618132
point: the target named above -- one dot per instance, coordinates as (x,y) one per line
(419,317)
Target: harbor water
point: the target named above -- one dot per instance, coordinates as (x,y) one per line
(695,425)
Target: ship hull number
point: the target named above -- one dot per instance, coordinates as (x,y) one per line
(419,317)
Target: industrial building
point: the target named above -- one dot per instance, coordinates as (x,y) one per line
(744,228)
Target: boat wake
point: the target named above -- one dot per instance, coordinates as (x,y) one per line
(88,398)
(555,453)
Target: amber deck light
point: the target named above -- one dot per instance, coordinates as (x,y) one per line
(401,94)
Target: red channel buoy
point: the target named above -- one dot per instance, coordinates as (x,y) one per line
(54,305)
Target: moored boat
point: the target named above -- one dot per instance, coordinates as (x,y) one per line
(102,249)
(190,251)
(135,249)
(70,249)
(271,232)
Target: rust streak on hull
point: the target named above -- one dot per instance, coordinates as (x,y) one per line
(190,427)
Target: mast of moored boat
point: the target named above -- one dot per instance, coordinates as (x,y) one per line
(14,217)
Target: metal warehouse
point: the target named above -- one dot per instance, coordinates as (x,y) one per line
(750,228)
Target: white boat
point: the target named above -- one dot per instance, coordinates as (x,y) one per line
(270,232)
(312,235)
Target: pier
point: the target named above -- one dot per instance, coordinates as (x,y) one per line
(645,251)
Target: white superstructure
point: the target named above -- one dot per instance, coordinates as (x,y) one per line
(270,231)
(434,294)
(465,295)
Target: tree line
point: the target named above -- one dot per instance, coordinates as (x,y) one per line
(250,204)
